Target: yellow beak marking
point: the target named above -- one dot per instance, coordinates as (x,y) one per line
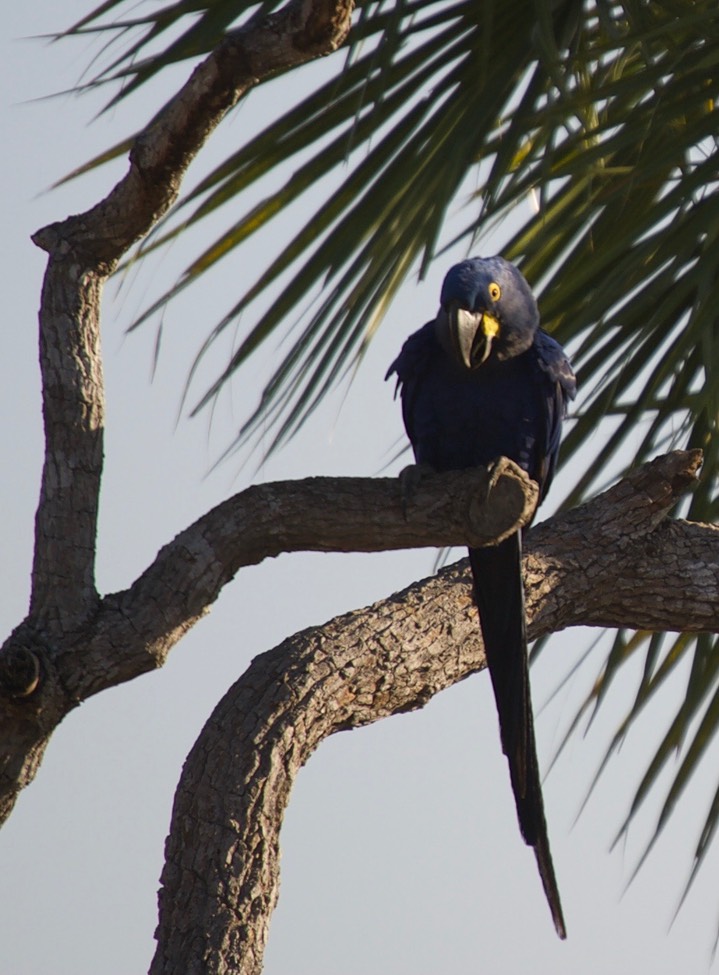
(490,325)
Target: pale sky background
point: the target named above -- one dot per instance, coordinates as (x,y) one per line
(401,850)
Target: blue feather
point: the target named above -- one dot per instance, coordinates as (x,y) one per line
(480,381)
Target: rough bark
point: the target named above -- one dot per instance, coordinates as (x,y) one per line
(128,636)
(83,250)
(616,561)
(45,674)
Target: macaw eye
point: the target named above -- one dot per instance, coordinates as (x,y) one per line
(494,291)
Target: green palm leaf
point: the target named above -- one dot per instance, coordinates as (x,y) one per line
(604,113)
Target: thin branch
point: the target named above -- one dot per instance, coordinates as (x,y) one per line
(301,31)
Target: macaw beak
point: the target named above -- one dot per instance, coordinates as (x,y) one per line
(471,335)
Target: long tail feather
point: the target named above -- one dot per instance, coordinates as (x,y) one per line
(498,589)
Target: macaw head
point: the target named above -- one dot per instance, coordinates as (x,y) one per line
(486,309)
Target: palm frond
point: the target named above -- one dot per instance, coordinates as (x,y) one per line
(604,112)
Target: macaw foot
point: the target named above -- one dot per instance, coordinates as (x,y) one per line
(501,466)
(495,470)
(410,479)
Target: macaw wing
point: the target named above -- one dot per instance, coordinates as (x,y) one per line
(559,387)
(411,367)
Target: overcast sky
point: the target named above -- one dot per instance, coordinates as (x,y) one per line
(401,851)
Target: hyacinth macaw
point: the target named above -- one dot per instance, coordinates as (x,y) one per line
(480,381)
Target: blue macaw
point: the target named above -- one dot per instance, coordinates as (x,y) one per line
(481,381)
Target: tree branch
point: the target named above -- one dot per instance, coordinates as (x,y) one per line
(133,631)
(83,250)
(129,636)
(615,561)
(86,248)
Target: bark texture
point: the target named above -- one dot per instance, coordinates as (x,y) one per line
(65,609)
(616,561)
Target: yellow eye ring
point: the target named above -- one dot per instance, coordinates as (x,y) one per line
(494,291)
